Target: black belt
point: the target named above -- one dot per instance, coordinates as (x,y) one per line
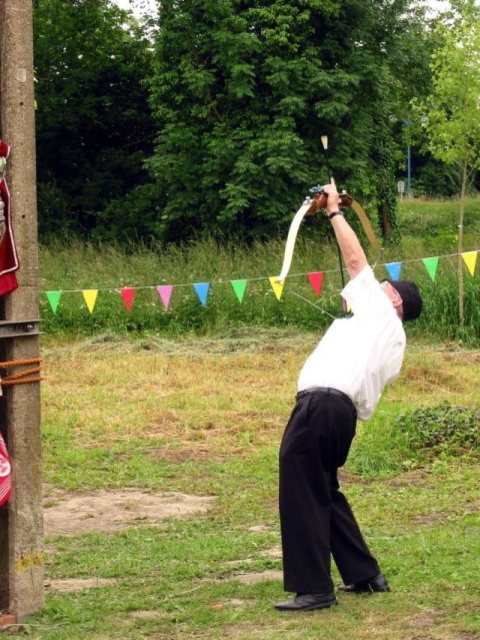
(328,390)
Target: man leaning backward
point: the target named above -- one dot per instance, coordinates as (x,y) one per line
(342,379)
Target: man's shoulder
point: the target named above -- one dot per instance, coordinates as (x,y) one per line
(362,283)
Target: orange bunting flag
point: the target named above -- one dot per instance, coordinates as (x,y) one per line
(316,281)
(277,286)
(128,294)
(90,296)
(470,259)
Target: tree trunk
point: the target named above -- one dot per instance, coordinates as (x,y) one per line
(385,224)
(460,244)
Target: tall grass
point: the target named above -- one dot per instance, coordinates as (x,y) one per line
(428,228)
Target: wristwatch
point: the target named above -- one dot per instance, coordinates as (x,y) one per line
(334,213)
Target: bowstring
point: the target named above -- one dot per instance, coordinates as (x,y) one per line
(327,313)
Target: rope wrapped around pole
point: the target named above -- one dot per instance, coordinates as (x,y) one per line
(25,376)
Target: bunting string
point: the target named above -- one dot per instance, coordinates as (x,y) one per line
(202,289)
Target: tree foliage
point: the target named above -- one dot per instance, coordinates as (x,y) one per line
(242,92)
(94,126)
(453,108)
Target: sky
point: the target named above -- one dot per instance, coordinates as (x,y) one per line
(149,6)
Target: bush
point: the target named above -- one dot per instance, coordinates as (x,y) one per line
(441,429)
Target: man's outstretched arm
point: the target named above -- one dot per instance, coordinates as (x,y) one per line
(350,246)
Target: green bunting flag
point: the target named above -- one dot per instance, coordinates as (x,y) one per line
(431,265)
(54,299)
(239,287)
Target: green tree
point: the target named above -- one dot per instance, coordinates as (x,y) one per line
(94,126)
(453,108)
(242,92)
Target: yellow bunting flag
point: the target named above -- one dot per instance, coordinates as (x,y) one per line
(470,258)
(277,286)
(90,296)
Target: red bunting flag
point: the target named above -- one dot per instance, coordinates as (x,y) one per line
(128,294)
(316,281)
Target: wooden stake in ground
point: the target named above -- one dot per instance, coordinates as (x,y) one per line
(21,529)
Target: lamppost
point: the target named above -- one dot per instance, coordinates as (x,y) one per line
(406,123)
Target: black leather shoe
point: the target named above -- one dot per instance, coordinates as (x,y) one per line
(375,584)
(307,602)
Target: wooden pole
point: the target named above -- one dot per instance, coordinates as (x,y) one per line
(461,312)
(21,526)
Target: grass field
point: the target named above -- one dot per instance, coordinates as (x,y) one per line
(204,417)
(161,433)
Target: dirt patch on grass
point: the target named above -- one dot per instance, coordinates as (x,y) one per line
(232,602)
(148,614)
(345,477)
(108,511)
(275,552)
(70,585)
(423,620)
(414,477)
(253,578)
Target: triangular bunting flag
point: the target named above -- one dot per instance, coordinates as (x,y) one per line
(165,292)
(128,294)
(202,291)
(239,287)
(431,265)
(90,296)
(54,299)
(394,269)
(316,281)
(277,286)
(470,258)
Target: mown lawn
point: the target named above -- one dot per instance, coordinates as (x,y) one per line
(205,417)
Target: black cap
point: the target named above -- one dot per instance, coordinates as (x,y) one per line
(411,298)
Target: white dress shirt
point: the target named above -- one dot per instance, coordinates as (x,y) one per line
(361,354)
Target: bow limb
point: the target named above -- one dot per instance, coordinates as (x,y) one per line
(367,227)
(291,238)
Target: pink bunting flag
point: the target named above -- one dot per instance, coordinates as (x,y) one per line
(165,292)
(128,294)
(316,281)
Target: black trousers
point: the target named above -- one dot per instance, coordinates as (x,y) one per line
(316,519)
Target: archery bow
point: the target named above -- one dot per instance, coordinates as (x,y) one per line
(310,205)
(324,140)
